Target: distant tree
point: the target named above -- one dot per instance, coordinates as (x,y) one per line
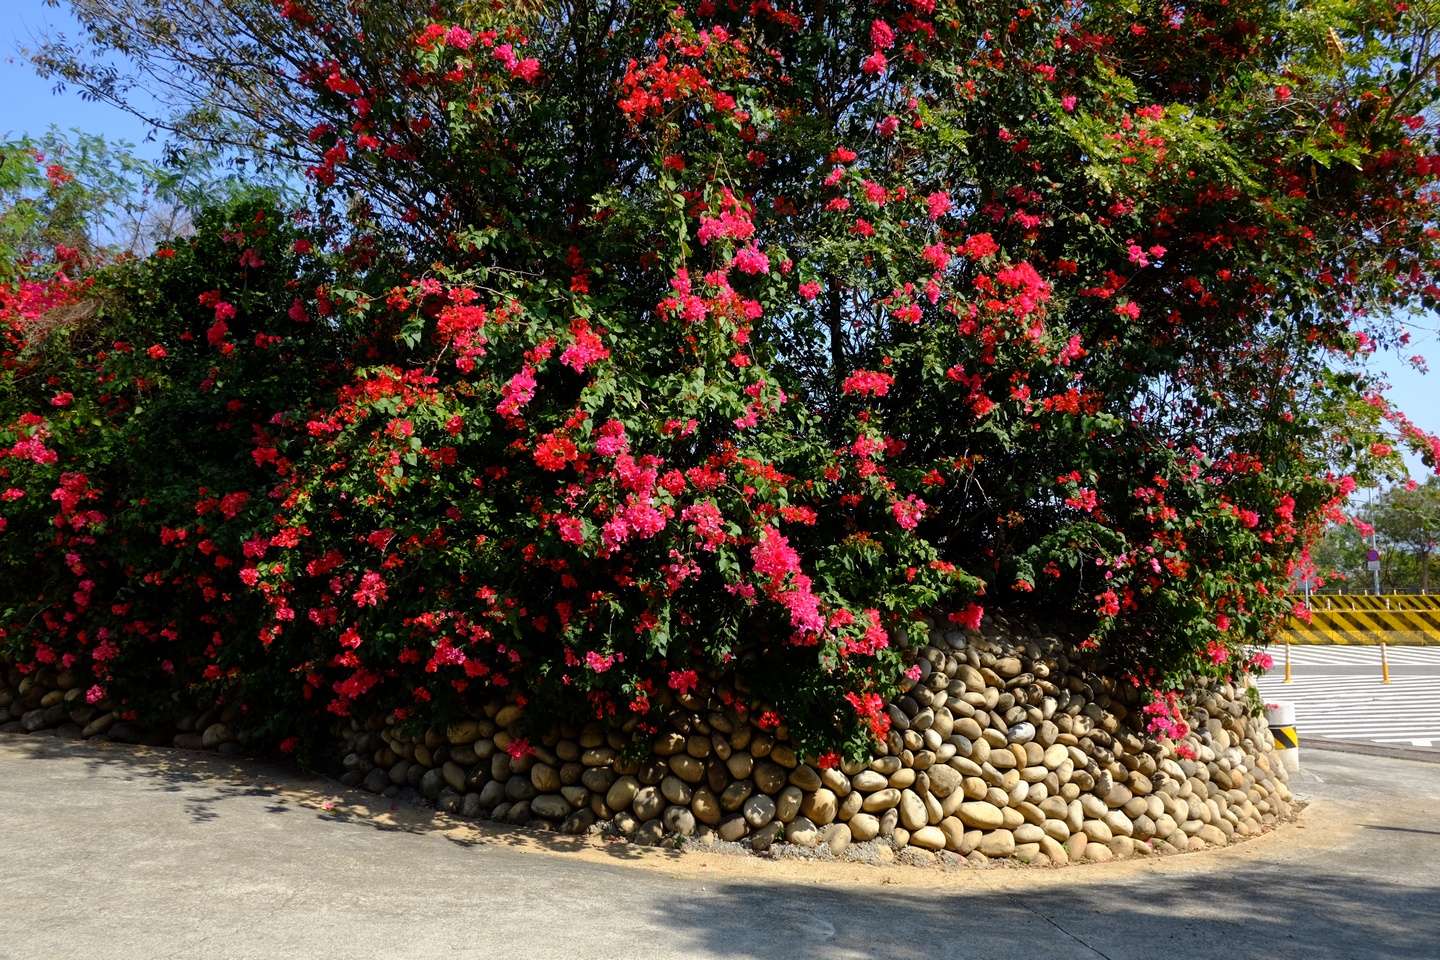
(1406,525)
(92,198)
(1337,557)
(1407,521)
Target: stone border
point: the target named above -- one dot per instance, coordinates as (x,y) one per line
(1006,747)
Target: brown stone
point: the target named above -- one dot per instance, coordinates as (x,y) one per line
(821,806)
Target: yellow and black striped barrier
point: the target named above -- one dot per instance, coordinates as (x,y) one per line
(1285,738)
(1368,620)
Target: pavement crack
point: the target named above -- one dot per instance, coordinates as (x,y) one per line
(1067,933)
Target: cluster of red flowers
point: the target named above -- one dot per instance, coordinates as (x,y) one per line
(663,403)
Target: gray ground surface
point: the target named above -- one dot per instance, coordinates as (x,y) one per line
(119,852)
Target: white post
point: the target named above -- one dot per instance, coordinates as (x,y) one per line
(1281,717)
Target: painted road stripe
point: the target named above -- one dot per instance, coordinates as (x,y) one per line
(1308,655)
(1360,707)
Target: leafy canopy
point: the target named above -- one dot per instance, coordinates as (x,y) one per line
(641,342)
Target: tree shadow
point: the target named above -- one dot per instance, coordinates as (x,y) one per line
(1325,907)
(201,781)
(1236,914)
(1380,826)
(205,782)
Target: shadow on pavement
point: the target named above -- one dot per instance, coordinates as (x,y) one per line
(205,782)
(1192,916)
(1379,826)
(1335,903)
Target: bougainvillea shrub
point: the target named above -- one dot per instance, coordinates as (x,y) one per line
(628,348)
(129,482)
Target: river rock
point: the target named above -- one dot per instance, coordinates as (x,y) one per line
(864,826)
(517,788)
(678,819)
(944,780)
(598,779)
(491,795)
(687,768)
(431,784)
(759,810)
(545,778)
(551,806)
(981,815)
(1211,835)
(648,803)
(1028,833)
(1021,733)
(881,800)
(805,777)
(706,807)
(836,781)
(463,731)
(802,832)
(736,794)
(650,834)
(787,804)
(904,777)
(676,790)
(622,793)
(913,813)
(868,781)
(769,777)
(928,838)
(98,726)
(733,827)
(599,756)
(578,822)
(740,764)
(216,734)
(821,806)
(668,743)
(1119,824)
(954,832)
(997,843)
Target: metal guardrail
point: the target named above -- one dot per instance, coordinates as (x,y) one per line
(1366,591)
(1368,619)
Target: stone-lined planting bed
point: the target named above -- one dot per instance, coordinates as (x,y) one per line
(1007,746)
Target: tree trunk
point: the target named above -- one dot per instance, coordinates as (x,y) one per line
(834,317)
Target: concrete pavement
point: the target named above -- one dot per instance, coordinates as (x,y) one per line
(112,851)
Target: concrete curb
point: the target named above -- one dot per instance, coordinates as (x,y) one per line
(1395,751)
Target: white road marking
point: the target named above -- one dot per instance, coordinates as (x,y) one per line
(1407,710)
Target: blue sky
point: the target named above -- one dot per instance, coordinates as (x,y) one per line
(27,105)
